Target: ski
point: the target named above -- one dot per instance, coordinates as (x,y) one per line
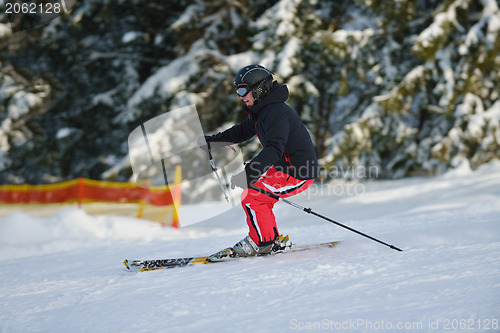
(151,265)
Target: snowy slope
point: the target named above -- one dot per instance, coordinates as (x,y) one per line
(64,273)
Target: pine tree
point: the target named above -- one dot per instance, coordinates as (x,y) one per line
(408,87)
(415,122)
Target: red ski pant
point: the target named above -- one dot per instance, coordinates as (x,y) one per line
(259,207)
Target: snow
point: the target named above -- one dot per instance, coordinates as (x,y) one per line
(63,273)
(447,88)
(64,132)
(5,30)
(4,157)
(168,81)
(105,98)
(285,67)
(442,21)
(238,60)
(131,36)
(189,15)
(282,15)
(23,103)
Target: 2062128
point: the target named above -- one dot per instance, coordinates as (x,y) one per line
(470,324)
(32,8)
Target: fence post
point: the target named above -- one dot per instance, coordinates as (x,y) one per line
(177,196)
(145,185)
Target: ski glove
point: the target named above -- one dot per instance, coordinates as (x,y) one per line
(239,180)
(203,142)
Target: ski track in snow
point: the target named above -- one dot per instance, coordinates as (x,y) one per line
(64,273)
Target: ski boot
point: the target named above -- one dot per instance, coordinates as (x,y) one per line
(244,248)
(247,248)
(280,245)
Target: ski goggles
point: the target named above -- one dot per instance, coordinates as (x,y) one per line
(242,90)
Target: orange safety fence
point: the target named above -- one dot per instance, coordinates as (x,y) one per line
(83,191)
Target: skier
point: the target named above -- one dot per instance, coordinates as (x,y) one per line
(287,164)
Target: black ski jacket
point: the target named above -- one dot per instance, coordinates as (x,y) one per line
(286,143)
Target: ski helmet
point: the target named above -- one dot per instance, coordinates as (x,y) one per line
(253,78)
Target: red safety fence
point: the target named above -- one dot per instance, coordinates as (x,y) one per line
(84,190)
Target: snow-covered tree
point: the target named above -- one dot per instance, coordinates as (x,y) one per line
(429,106)
(408,87)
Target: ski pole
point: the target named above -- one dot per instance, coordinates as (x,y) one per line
(310,211)
(214,169)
